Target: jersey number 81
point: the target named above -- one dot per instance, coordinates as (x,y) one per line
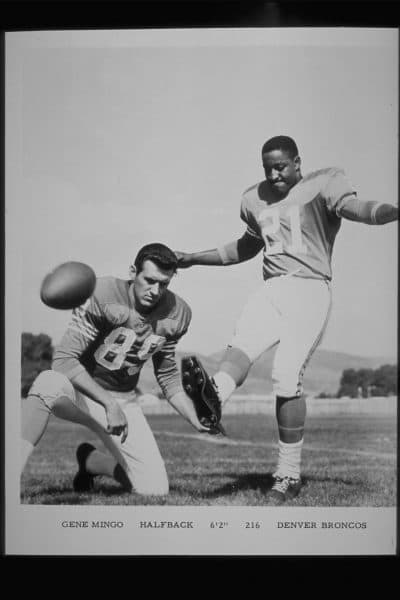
(270,222)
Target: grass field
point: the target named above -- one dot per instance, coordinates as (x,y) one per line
(348,460)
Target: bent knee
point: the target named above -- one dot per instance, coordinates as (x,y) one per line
(236,363)
(286,390)
(287,383)
(50,386)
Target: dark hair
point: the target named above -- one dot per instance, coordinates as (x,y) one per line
(161,255)
(281,142)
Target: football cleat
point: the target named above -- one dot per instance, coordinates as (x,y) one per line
(83,481)
(284,488)
(200,387)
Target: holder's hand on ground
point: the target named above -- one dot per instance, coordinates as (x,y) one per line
(198,425)
(183,404)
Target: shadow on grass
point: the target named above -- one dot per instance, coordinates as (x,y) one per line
(256,482)
(261,482)
(64,494)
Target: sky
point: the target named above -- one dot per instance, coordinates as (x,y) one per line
(115,139)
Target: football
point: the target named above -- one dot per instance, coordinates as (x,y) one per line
(67,286)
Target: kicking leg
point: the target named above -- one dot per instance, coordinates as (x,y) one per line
(256,331)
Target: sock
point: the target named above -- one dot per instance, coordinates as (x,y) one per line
(289,459)
(291,416)
(225,384)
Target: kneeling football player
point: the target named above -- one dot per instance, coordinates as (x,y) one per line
(96,368)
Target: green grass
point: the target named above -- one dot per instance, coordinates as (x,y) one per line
(348,460)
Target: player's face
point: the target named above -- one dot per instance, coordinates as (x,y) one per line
(150,284)
(281,171)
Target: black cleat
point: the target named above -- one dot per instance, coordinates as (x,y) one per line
(283,489)
(200,387)
(83,481)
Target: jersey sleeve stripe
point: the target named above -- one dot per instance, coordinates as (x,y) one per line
(342,202)
(169,347)
(81,332)
(373,213)
(84,327)
(82,322)
(82,310)
(223,256)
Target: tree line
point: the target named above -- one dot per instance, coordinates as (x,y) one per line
(37,354)
(363,383)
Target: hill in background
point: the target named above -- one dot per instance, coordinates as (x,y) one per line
(322,375)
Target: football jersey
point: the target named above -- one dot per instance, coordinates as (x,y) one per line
(299,230)
(111,340)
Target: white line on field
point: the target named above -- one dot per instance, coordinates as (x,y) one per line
(215,439)
(263,461)
(224,441)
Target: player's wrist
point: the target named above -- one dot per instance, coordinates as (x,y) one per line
(196,258)
(108,402)
(185,259)
(207,257)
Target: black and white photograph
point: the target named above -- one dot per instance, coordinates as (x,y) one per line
(201,291)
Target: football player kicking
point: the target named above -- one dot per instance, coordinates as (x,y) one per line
(295,220)
(96,368)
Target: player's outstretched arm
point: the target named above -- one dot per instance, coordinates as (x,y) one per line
(205,257)
(233,253)
(368,212)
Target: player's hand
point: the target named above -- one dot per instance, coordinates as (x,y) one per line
(116,421)
(194,421)
(183,404)
(184,259)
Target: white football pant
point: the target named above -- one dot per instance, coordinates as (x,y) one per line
(139,455)
(292,312)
